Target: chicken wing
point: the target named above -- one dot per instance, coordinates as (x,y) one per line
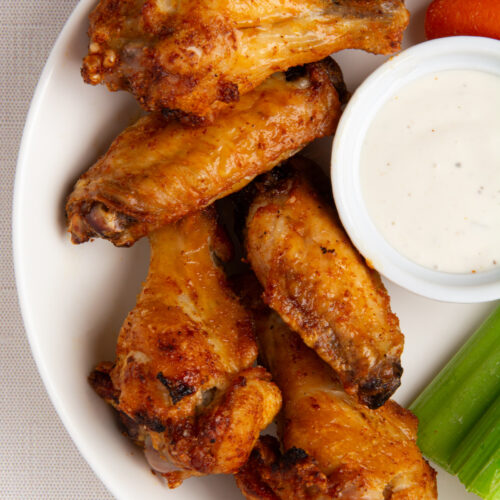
(335,447)
(197,56)
(320,285)
(183,379)
(159,170)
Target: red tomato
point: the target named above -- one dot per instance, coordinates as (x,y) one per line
(463,17)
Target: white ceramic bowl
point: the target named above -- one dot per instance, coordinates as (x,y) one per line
(451,53)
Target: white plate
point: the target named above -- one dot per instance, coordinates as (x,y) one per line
(74,298)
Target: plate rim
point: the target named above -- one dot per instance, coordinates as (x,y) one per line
(59,45)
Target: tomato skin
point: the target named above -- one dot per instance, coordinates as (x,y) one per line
(463,17)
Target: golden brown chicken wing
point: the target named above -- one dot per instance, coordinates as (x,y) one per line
(335,447)
(320,285)
(159,170)
(199,55)
(183,379)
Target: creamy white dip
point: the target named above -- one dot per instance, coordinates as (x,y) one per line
(430,171)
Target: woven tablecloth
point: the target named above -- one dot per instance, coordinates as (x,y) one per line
(37,457)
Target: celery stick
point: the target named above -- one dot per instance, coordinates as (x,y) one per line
(460,394)
(476,461)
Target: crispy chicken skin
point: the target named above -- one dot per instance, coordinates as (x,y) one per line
(199,55)
(183,380)
(320,285)
(335,447)
(159,170)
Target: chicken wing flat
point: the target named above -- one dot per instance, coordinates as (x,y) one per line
(199,55)
(335,447)
(183,379)
(159,170)
(320,285)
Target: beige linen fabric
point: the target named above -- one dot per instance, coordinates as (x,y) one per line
(38,460)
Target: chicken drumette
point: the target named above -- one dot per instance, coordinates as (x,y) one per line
(334,446)
(183,381)
(199,55)
(319,284)
(159,170)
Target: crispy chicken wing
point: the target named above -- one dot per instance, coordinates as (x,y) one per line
(183,379)
(159,170)
(320,285)
(335,447)
(199,55)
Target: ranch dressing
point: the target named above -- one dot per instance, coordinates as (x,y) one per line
(430,171)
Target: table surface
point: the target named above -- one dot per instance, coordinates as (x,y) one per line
(37,457)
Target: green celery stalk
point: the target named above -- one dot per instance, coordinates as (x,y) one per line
(476,461)
(460,394)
